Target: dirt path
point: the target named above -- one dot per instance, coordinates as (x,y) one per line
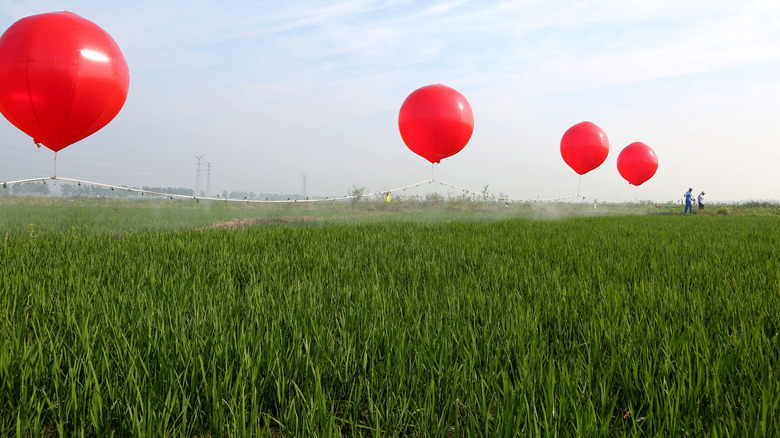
(239,223)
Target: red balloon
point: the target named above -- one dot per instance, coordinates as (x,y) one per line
(584,147)
(62,78)
(436,122)
(637,163)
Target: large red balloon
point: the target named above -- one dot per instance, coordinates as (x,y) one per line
(436,122)
(584,147)
(62,78)
(637,163)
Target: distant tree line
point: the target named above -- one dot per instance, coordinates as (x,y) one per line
(171,190)
(257,196)
(89,191)
(27,189)
(85,191)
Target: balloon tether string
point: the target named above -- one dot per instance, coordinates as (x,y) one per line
(579,182)
(55,164)
(432,171)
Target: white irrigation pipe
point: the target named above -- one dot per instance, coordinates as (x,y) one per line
(209,198)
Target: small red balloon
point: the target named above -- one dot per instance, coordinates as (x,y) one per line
(62,78)
(584,147)
(436,122)
(637,163)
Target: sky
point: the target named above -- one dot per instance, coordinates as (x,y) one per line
(271,91)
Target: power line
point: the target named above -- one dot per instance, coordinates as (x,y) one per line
(208,178)
(197,173)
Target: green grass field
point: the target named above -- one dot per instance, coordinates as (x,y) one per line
(142,318)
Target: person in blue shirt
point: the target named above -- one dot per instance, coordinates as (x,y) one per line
(688,201)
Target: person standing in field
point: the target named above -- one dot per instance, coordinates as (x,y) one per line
(688,201)
(700,199)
